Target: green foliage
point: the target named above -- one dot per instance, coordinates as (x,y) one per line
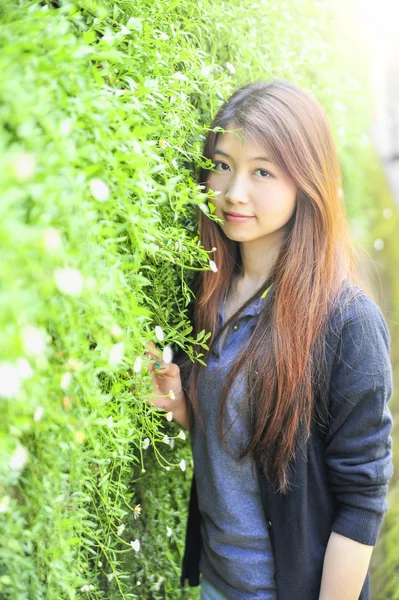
(103,110)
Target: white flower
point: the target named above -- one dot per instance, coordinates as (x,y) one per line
(167,355)
(33,340)
(137,511)
(110,421)
(19,458)
(137,365)
(179,76)
(65,126)
(169,531)
(116,354)
(24,166)
(24,368)
(213,266)
(163,36)
(204,207)
(172,395)
(159,333)
(182,464)
(121,529)
(100,564)
(378,244)
(99,190)
(169,416)
(230,67)
(86,588)
(166,439)
(10,381)
(69,281)
(387,213)
(66,380)
(135,545)
(116,331)
(52,240)
(39,412)
(182,435)
(110,577)
(146,443)
(172,443)
(4,502)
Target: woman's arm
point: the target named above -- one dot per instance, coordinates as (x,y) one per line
(345,568)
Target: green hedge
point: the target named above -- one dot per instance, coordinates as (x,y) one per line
(103,111)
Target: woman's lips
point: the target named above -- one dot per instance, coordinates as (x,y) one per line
(236,219)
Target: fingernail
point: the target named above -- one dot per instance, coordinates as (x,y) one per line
(157,365)
(149,387)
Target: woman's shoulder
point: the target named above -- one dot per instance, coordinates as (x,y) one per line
(360,332)
(354,305)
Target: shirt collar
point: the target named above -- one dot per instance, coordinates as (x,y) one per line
(255,307)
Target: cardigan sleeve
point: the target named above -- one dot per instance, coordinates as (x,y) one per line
(358,450)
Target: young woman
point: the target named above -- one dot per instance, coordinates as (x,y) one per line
(289,423)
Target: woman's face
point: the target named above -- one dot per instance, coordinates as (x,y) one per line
(251,186)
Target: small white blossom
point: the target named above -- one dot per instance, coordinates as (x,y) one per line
(121,529)
(24,166)
(66,380)
(213,266)
(10,381)
(39,412)
(172,443)
(166,439)
(172,395)
(167,355)
(146,443)
(387,213)
(100,564)
(169,416)
(116,331)
(182,464)
(378,244)
(4,503)
(182,435)
(19,458)
(24,368)
(230,67)
(135,545)
(116,354)
(75,364)
(110,577)
(169,531)
(86,588)
(33,340)
(137,511)
(99,190)
(110,421)
(52,240)
(159,333)
(163,36)
(137,365)
(66,126)
(69,281)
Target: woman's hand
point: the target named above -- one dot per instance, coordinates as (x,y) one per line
(167,392)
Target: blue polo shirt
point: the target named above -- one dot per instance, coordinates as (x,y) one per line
(236,553)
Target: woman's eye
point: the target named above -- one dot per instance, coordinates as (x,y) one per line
(223,164)
(264,174)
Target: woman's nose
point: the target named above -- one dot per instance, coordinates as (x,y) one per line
(237,191)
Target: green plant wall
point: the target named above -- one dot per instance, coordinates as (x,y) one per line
(103,110)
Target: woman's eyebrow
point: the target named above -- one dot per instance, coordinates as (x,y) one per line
(222,153)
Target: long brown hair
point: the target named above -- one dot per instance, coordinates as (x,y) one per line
(286,349)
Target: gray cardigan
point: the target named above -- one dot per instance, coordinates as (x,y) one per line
(341,478)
